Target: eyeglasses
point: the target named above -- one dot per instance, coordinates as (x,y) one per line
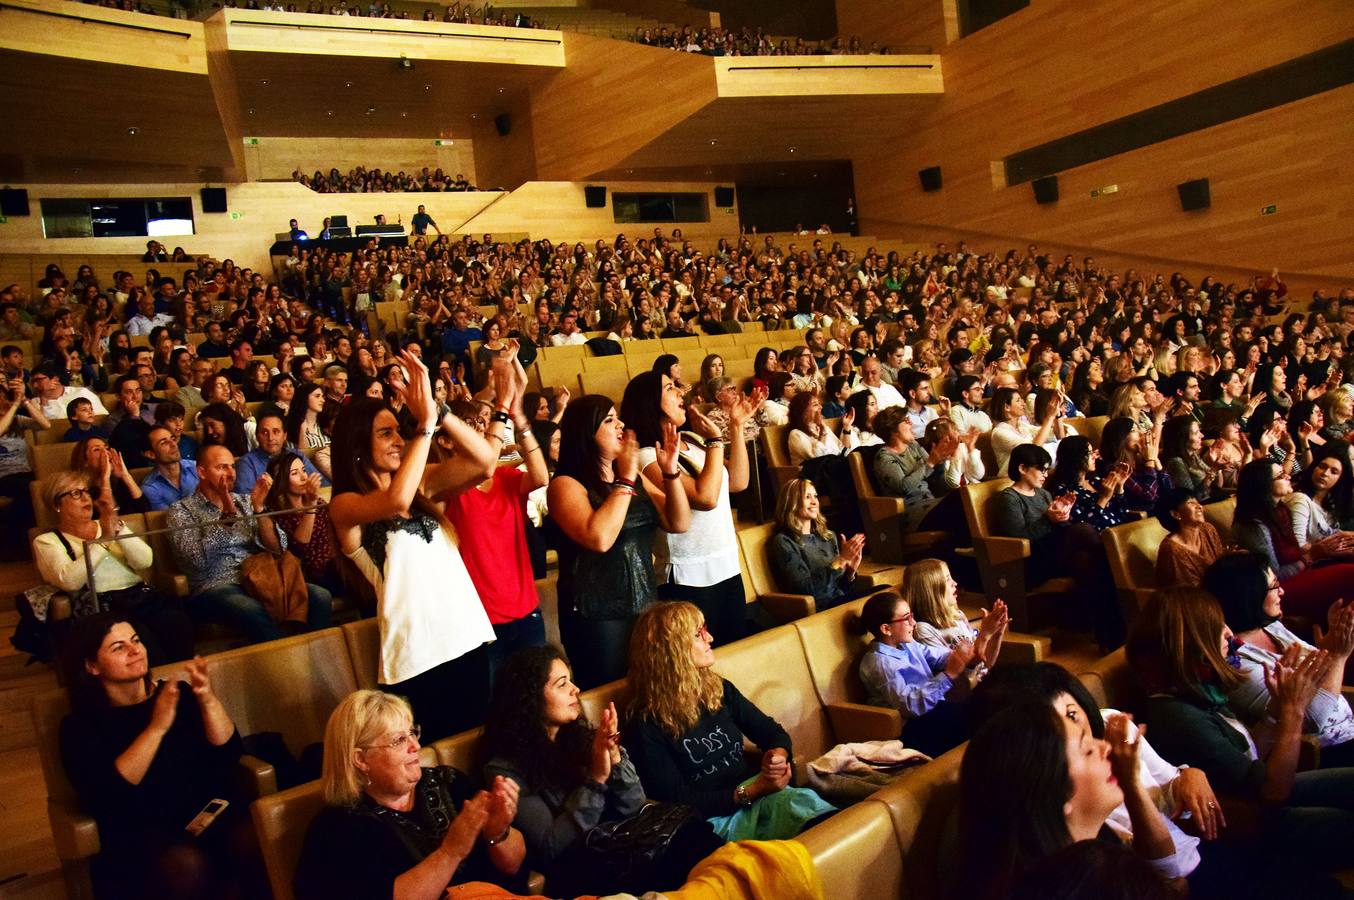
(401,740)
(1275,586)
(704,633)
(78,493)
(906,618)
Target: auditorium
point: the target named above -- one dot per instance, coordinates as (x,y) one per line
(689,449)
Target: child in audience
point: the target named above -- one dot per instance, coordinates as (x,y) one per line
(915,678)
(80,411)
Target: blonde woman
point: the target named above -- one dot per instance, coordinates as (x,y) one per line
(392,827)
(686,734)
(1129,402)
(931,591)
(805,556)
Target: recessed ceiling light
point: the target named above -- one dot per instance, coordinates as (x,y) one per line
(264,82)
(329,112)
(251,110)
(404,115)
(427,87)
(713,142)
(347,84)
(133,131)
(371,110)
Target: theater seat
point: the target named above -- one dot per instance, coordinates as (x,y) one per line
(883,518)
(1088,426)
(775,444)
(363,640)
(832,652)
(1220,515)
(924,806)
(1132,551)
(1001,560)
(856,852)
(281,821)
(759,584)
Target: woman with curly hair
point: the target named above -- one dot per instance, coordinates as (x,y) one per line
(571,776)
(686,732)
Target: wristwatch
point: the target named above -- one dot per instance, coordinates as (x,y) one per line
(740,795)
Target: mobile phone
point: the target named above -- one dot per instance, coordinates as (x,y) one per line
(208,815)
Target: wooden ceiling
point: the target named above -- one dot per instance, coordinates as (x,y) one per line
(289,95)
(757,135)
(67,120)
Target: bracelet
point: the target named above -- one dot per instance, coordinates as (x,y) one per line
(624,489)
(712,443)
(501,417)
(672,476)
(501,838)
(625,482)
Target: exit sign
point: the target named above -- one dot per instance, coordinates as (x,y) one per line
(4,220)
(442,143)
(1269,210)
(236,216)
(251,142)
(1106,190)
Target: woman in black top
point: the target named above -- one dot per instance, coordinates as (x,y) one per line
(392,827)
(687,728)
(145,759)
(607,511)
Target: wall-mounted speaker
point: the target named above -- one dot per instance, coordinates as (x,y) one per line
(723,197)
(594,195)
(1194,194)
(214,200)
(930,179)
(1046,189)
(14,202)
(503,123)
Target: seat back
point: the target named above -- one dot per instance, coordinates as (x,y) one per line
(595,701)
(289,686)
(608,384)
(48,459)
(775,440)
(166,565)
(281,821)
(924,805)
(49,708)
(461,751)
(1220,514)
(770,670)
(832,651)
(977,500)
(1132,551)
(856,852)
(363,640)
(988,455)
(1112,683)
(757,567)
(1089,427)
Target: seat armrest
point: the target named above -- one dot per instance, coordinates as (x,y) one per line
(535,884)
(1024,648)
(181,588)
(258,777)
(788,607)
(1005,549)
(881,574)
(74,833)
(1347,691)
(853,722)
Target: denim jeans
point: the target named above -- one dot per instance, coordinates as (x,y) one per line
(1317,824)
(528,631)
(228,604)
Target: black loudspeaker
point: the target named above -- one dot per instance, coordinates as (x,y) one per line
(723,197)
(14,202)
(930,179)
(1194,194)
(595,196)
(214,200)
(503,122)
(1046,189)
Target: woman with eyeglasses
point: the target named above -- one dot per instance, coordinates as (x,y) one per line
(1252,606)
(1263,524)
(391,827)
(902,673)
(688,726)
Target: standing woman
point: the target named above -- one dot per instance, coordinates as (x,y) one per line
(607,511)
(699,565)
(433,626)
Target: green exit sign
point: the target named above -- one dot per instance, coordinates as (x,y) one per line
(443,143)
(251,142)
(236,216)
(1269,210)
(4,220)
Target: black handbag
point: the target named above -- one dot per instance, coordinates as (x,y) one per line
(653,850)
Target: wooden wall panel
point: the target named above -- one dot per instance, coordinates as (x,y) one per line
(509,161)
(809,76)
(1052,70)
(899,23)
(81,31)
(611,99)
(275,158)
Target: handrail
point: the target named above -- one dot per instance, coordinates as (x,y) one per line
(832,68)
(86,20)
(224,521)
(400,31)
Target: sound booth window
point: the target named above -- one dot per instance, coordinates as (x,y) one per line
(661,207)
(159,217)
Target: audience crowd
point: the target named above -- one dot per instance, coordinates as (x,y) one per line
(408,471)
(373,181)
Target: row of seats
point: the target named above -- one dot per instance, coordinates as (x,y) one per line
(290,686)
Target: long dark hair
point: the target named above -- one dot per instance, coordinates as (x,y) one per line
(1340,500)
(1255,493)
(352,442)
(578,457)
(1013,784)
(1240,583)
(235,440)
(279,469)
(514,728)
(1073,451)
(641,407)
(1112,441)
(82,646)
(296,413)
(1039,682)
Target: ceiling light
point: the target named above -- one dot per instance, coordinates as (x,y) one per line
(404,115)
(427,87)
(133,131)
(713,142)
(251,110)
(405,62)
(329,112)
(264,82)
(371,110)
(347,84)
